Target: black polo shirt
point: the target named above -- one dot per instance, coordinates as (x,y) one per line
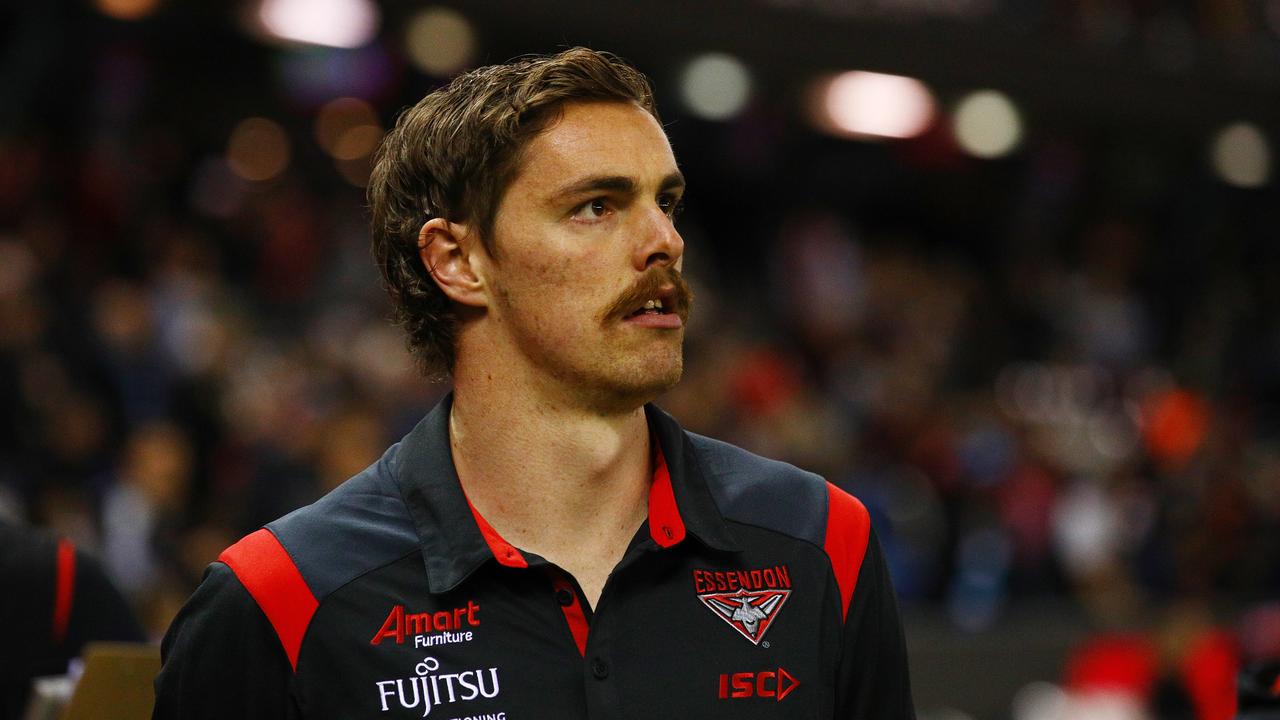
(754,590)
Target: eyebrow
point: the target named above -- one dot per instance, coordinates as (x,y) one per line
(616,183)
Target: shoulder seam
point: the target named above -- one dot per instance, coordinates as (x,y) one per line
(354,578)
(847,534)
(267,571)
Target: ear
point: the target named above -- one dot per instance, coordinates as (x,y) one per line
(446,251)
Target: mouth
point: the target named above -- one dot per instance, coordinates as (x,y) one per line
(661,303)
(660,300)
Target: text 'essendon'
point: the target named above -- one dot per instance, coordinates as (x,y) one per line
(774,578)
(400,624)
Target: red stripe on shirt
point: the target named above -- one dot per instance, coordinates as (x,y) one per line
(503,551)
(666,527)
(269,574)
(848,531)
(64,589)
(573,614)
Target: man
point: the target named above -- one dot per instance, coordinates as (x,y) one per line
(545,544)
(56,599)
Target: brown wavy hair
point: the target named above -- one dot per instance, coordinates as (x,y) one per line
(454,154)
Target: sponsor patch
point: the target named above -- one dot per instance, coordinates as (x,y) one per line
(449,626)
(748,600)
(431,687)
(776,684)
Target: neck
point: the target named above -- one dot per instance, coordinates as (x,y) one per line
(565,481)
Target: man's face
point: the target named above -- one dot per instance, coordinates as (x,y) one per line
(583,241)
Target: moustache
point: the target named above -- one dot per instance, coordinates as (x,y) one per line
(651,285)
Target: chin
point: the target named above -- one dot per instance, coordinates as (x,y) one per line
(635,389)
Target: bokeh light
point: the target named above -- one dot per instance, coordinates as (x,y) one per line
(1175,423)
(868,104)
(356,171)
(335,23)
(348,130)
(987,124)
(258,149)
(338,119)
(126,9)
(357,142)
(1040,700)
(715,86)
(1241,155)
(440,41)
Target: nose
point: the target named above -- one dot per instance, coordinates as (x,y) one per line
(660,243)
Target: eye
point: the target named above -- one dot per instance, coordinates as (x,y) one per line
(592,209)
(671,204)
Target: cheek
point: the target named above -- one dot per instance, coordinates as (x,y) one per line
(568,282)
(556,300)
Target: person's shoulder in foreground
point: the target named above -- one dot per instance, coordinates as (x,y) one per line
(59,599)
(546,542)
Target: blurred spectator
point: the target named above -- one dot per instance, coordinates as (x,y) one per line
(56,599)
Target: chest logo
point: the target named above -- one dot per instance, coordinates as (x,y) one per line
(748,600)
(449,625)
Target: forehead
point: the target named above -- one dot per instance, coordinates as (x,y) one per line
(600,138)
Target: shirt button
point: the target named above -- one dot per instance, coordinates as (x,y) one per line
(564,596)
(600,668)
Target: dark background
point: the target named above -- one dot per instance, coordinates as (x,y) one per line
(1051,376)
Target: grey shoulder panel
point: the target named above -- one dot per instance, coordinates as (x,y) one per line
(360,526)
(765,493)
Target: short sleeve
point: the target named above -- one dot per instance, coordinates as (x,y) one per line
(221,658)
(873,682)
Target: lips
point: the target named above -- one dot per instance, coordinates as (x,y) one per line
(661,292)
(661,303)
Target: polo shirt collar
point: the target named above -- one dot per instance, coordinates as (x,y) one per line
(456,540)
(695,506)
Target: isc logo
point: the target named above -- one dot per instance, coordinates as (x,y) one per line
(776,684)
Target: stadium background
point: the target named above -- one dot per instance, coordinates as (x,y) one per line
(1037,336)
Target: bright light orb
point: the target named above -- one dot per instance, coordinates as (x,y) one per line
(440,41)
(987,124)
(868,104)
(333,23)
(1241,156)
(715,86)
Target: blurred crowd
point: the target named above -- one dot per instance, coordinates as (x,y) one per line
(1056,375)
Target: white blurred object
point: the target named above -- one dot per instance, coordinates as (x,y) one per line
(868,104)
(1103,705)
(987,124)
(1040,701)
(49,697)
(128,521)
(1241,155)
(333,23)
(1086,528)
(715,86)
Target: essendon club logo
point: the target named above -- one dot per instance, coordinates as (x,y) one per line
(748,600)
